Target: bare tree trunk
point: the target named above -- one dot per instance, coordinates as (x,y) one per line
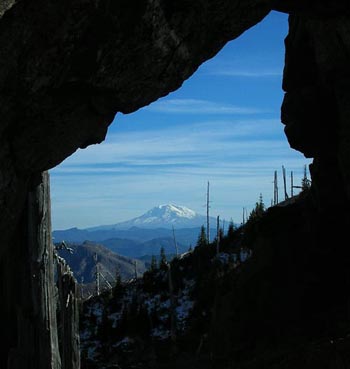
(37,340)
(208,225)
(175,243)
(28,312)
(218,234)
(69,316)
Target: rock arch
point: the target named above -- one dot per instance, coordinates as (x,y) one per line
(67,67)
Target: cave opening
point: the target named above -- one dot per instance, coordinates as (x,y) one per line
(222,126)
(287,294)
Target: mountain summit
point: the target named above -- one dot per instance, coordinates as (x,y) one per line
(168,213)
(162,216)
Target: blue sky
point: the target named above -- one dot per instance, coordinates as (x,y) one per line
(222,126)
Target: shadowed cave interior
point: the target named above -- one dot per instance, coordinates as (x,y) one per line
(296,311)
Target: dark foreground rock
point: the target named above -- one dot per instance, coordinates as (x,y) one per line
(66,69)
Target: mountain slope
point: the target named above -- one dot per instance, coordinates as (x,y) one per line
(145,234)
(135,327)
(274,306)
(135,242)
(185,236)
(151,247)
(82,262)
(162,216)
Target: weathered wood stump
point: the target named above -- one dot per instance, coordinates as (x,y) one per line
(68,330)
(29,331)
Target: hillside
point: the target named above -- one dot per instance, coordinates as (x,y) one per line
(134,242)
(82,262)
(135,249)
(163,315)
(263,301)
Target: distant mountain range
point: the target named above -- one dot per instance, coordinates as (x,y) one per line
(136,249)
(146,234)
(162,216)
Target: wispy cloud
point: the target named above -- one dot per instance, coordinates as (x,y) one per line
(183,144)
(97,198)
(167,151)
(141,169)
(246,73)
(253,68)
(197,106)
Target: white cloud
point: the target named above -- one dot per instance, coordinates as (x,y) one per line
(96,198)
(139,170)
(197,106)
(231,72)
(133,171)
(183,144)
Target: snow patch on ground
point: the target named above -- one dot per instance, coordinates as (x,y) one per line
(161,334)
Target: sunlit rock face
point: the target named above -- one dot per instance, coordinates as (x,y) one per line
(6,5)
(66,69)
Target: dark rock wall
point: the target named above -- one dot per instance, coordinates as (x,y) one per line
(316,108)
(290,302)
(290,306)
(66,69)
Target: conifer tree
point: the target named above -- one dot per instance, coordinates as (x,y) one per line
(153,266)
(105,327)
(143,320)
(231,230)
(117,290)
(305,182)
(163,265)
(259,209)
(260,205)
(202,238)
(221,234)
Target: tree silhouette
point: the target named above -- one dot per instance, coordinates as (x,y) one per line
(305,182)
(163,265)
(259,209)
(153,266)
(231,230)
(202,238)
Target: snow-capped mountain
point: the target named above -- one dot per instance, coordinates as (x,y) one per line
(169,214)
(162,216)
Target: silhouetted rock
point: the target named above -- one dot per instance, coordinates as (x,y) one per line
(66,69)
